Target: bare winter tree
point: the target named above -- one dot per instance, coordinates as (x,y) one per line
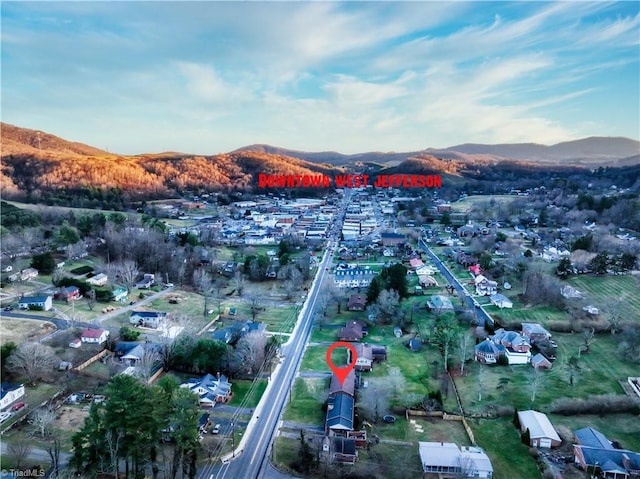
(91,299)
(292,280)
(616,310)
(464,467)
(33,360)
(238,282)
(127,272)
(386,309)
(535,382)
(254,300)
(397,383)
(53,449)
(203,283)
(373,401)
(251,351)
(480,381)
(43,418)
(464,350)
(19,450)
(148,364)
(588,338)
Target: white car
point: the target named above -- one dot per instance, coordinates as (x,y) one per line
(4,416)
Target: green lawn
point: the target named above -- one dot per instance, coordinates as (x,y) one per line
(600,288)
(620,427)
(242,389)
(307,398)
(598,373)
(501,441)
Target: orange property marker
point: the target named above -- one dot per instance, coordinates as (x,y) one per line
(342,373)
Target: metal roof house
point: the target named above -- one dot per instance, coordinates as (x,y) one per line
(446,460)
(541,430)
(339,414)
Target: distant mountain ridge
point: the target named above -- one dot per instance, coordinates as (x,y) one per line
(37,164)
(592,151)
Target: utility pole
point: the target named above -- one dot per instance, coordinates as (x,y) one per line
(233,438)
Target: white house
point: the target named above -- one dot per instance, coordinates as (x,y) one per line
(501,301)
(9,393)
(541,430)
(447,460)
(44,302)
(94,336)
(99,279)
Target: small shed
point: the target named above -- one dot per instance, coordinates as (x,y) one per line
(415,345)
(397,332)
(539,361)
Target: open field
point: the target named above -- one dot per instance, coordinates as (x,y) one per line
(501,441)
(466,204)
(388,461)
(620,427)
(19,330)
(599,289)
(241,392)
(598,373)
(307,398)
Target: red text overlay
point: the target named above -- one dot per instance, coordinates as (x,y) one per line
(349,181)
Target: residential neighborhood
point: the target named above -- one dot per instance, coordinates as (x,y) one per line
(220,334)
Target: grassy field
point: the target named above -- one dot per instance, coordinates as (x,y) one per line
(501,441)
(601,288)
(242,391)
(22,330)
(466,204)
(388,461)
(307,397)
(598,373)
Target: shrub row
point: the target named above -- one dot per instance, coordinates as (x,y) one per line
(603,404)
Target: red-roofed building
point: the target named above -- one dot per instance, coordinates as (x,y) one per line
(94,336)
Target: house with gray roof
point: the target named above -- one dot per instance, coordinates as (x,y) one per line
(438,302)
(210,389)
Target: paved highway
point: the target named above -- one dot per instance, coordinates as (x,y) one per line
(252,459)
(481,314)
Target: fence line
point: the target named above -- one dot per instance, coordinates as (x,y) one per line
(92,360)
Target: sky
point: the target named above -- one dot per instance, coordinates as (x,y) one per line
(210,77)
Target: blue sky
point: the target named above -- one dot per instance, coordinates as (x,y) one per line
(209,77)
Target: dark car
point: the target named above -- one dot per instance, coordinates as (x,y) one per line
(9,308)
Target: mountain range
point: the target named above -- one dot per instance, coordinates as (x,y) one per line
(35,163)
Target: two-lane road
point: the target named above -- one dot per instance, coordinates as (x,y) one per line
(252,462)
(481,314)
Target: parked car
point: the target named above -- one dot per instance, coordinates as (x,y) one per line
(18,406)
(4,416)
(216,429)
(9,308)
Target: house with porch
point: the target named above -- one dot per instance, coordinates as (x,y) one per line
(594,452)
(210,389)
(147,319)
(41,301)
(94,336)
(445,460)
